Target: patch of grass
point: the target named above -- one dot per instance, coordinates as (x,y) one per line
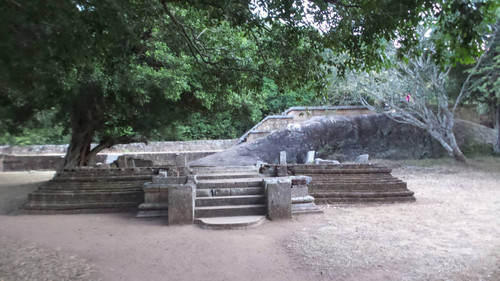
(478,150)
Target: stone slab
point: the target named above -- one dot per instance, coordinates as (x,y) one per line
(282,157)
(310,157)
(181,204)
(238,222)
(279,199)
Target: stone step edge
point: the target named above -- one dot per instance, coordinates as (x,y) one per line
(355,194)
(225,187)
(234,222)
(230,207)
(230,197)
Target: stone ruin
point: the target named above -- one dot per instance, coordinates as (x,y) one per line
(198,194)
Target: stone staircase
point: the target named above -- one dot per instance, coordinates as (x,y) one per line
(229,192)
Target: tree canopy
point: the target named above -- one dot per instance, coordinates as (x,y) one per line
(121,71)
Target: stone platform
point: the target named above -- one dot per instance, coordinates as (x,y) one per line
(347,183)
(86,190)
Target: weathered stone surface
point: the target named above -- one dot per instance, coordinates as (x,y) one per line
(279,199)
(310,157)
(362,159)
(300,180)
(319,161)
(90,190)
(283,157)
(181,204)
(222,192)
(299,191)
(302,199)
(169,180)
(343,138)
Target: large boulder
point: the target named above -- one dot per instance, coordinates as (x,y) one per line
(343,138)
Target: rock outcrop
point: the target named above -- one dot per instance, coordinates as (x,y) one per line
(343,138)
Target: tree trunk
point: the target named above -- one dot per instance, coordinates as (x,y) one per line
(449,143)
(79,150)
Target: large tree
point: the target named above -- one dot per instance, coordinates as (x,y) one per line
(119,71)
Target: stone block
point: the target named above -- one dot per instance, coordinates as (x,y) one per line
(169,180)
(300,191)
(121,162)
(222,192)
(303,199)
(130,162)
(180,160)
(279,199)
(282,157)
(310,157)
(362,159)
(181,204)
(319,161)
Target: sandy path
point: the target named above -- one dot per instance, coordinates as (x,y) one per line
(452,232)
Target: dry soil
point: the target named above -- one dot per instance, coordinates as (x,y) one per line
(452,232)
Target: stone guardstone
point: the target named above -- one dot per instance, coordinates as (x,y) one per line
(279,199)
(181,204)
(282,157)
(362,159)
(310,157)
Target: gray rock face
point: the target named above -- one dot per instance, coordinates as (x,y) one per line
(343,138)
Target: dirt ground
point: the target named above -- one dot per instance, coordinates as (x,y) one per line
(452,232)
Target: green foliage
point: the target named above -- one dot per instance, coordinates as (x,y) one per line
(486,78)
(113,70)
(478,149)
(42,129)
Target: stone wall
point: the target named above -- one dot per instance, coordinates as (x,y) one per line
(302,113)
(167,146)
(52,162)
(50,157)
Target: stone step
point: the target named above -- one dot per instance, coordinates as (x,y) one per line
(87,186)
(229,211)
(87,207)
(355,181)
(85,197)
(222,169)
(237,191)
(368,194)
(228,176)
(121,178)
(230,200)
(357,187)
(229,183)
(238,222)
(352,200)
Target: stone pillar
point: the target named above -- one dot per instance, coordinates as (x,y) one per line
(181,204)
(279,199)
(310,157)
(282,157)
